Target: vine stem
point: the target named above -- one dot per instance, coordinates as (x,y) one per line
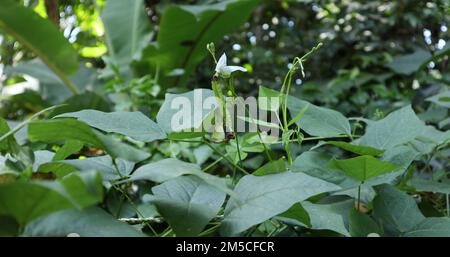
(209,230)
(212,164)
(124,194)
(287,85)
(359,197)
(447,203)
(225,158)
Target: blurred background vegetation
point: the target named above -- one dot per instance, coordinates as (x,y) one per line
(377,55)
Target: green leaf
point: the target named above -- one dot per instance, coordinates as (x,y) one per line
(315,164)
(431,227)
(298,116)
(254,202)
(397,211)
(268,99)
(397,128)
(7,140)
(26,201)
(103,164)
(363,167)
(51,88)
(441,99)
(423,185)
(360,224)
(187,203)
(410,63)
(133,124)
(5,132)
(70,147)
(186,111)
(296,216)
(329,216)
(89,222)
(29,29)
(55,131)
(41,157)
(319,121)
(430,140)
(8,226)
(358,149)
(127,31)
(167,169)
(185,49)
(86,100)
(272,167)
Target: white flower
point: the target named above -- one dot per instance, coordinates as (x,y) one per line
(225,71)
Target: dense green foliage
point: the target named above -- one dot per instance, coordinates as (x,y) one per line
(359,89)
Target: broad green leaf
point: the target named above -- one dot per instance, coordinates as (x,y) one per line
(7,140)
(329,216)
(268,99)
(360,224)
(29,29)
(167,169)
(59,130)
(89,222)
(41,157)
(251,142)
(54,131)
(127,31)
(26,201)
(296,216)
(50,87)
(103,164)
(397,211)
(69,148)
(410,63)
(429,140)
(298,116)
(441,99)
(275,166)
(319,121)
(116,148)
(363,167)
(187,203)
(358,149)
(8,226)
(233,153)
(6,132)
(315,164)
(183,49)
(186,111)
(431,227)
(86,100)
(423,185)
(133,124)
(254,202)
(397,128)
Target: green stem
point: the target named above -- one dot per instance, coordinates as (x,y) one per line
(266,151)
(212,164)
(124,194)
(225,158)
(210,230)
(447,203)
(359,196)
(231,87)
